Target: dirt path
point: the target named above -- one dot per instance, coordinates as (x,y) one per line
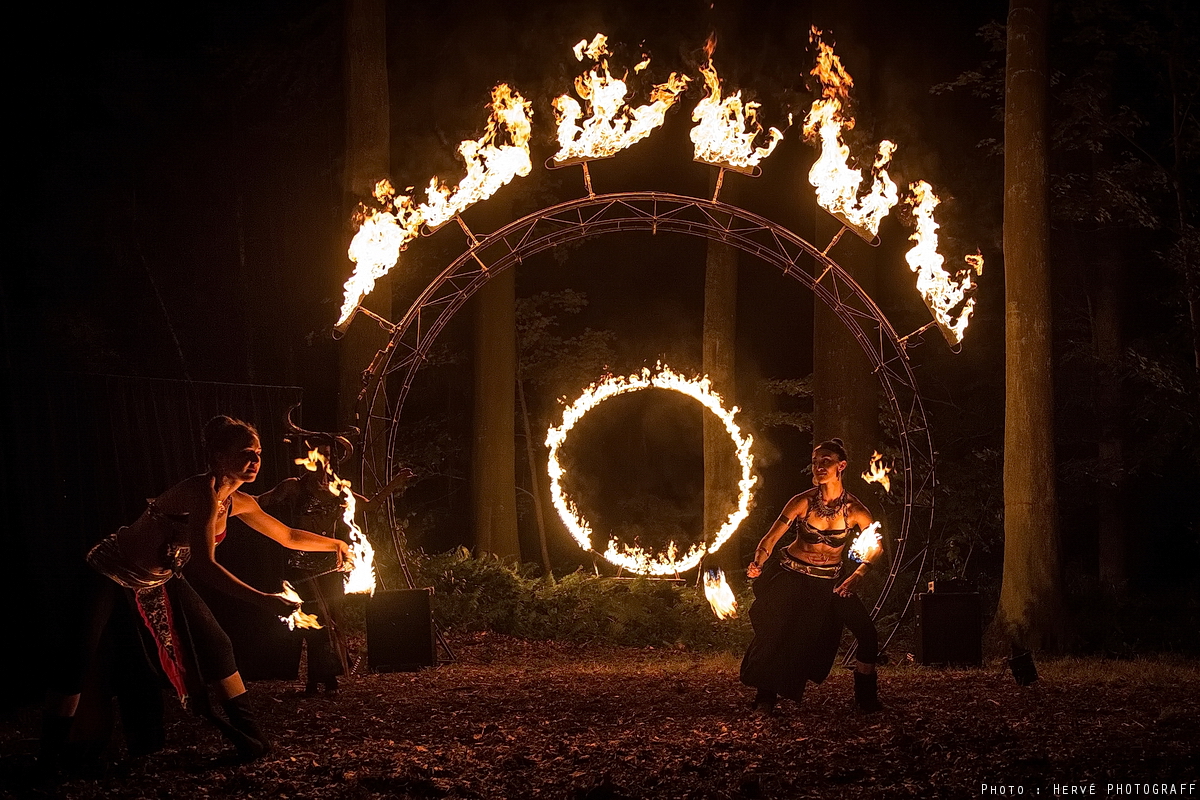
(515,719)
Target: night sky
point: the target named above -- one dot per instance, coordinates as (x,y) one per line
(179,209)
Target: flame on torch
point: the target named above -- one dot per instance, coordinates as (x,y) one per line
(491,163)
(719,595)
(878,472)
(836,182)
(866,543)
(297,619)
(632,557)
(727,128)
(950,298)
(361,577)
(611,125)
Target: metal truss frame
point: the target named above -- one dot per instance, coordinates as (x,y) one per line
(391,373)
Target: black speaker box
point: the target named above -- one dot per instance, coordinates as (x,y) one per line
(949,628)
(400,634)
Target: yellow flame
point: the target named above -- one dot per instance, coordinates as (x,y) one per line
(631,557)
(719,595)
(727,128)
(867,543)
(611,125)
(836,182)
(950,298)
(491,163)
(878,472)
(297,619)
(361,576)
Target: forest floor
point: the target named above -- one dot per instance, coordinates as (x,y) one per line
(514,719)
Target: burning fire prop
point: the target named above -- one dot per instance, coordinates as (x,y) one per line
(361,576)
(297,619)
(943,293)
(878,472)
(836,182)
(634,558)
(612,125)
(727,128)
(866,543)
(491,163)
(719,595)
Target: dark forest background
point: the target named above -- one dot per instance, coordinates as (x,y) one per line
(181,215)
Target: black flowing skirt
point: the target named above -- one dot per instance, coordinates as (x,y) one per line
(796,632)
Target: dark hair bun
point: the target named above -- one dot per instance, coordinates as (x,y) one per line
(836,446)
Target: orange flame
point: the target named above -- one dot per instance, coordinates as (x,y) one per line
(877,472)
(361,576)
(943,293)
(297,619)
(631,557)
(611,125)
(867,544)
(719,595)
(727,128)
(837,183)
(490,164)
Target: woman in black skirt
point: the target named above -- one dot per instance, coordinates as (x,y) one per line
(803,596)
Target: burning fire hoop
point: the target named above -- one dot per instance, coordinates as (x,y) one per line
(634,558)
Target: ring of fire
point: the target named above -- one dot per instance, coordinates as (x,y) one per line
(634,558)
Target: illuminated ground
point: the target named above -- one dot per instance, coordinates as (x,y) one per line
(514,719)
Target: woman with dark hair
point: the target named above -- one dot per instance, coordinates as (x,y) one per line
(802,598)
(153,559)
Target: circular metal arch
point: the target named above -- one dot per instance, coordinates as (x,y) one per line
(390,376)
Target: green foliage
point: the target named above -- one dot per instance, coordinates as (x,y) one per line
(487,593)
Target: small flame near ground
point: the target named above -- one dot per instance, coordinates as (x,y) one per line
(491,162)
(719,595)
(866,542)
(727,128)
(950,298)
(836,182)
(361,577)
(611,125)
(878,472)
(297,619)
(631,557)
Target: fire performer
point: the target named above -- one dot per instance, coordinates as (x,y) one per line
(801,599)
(183,526)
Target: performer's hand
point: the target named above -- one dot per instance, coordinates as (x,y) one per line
(280,605)
(847,587)
(344,560)
(754,570)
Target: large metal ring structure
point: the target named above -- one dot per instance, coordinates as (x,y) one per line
(391,373)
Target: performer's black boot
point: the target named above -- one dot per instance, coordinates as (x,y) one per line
(243,730)
(866,691)
(52,746)
(764,702)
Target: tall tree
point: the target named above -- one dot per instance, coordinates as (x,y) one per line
(493,458)
(368,122)
(721,472)
(1030,612)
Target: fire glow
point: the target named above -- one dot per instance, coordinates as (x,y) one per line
(878,472)
(836,182)
(727,128)
(634,558)
(297,619)
(361,577)
(491,163)
(612,125)
(950,298)
(719,595)
(866,543)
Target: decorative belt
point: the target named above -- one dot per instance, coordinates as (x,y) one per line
(790,562)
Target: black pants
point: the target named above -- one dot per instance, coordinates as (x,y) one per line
(853,614)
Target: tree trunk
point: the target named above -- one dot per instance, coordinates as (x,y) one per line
(1030,613)
(845,390)
(721,468)
(494,458)
(535,481)
(1106,335)
(367,160)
